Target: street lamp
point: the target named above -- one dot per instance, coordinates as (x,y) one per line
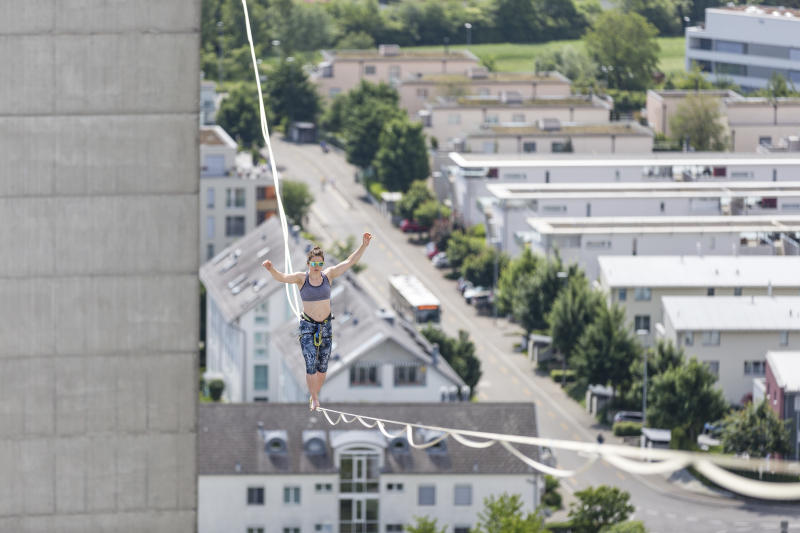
(642,333)
(563,277)
(468,27)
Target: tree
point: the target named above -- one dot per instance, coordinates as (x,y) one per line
(698,120)
(535,295)
(635,526)
(290,94)
(778,87)
(685,397)
(297,200)
(357,40)
(458,352)
(429,212)
(660,358)
(299,26)
(417,194)
(239,115)
(479,269)
(423,524)
(504,514)
(573,310)
(757,431)
(507,285)
(606,349)
(694,80)
(599,507)
(625,45)
(363,129)
(663,14)
(402,157)
(571,61)
(462,246)
(341,250)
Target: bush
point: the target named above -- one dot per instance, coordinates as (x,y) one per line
(551,497)
(375,189)
(555,375)
(559,527)
(627,429)
(215,388)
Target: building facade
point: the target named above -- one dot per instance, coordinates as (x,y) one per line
(782,391)
(732,335)
(263,467)
(746,44)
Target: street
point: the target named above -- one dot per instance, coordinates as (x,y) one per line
(340,210)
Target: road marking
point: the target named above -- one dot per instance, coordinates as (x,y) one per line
(550,413)
(620,475)
(576,437)
(381,245)
(526,391)
(400,265)
(503,369)
(572,481)
(492,358)
(389,254)
(564,426)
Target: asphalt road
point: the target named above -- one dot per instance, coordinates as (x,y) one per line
(340,210)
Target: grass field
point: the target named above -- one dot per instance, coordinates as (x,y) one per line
(510,57)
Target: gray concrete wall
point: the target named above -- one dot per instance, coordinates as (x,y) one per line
(99,107)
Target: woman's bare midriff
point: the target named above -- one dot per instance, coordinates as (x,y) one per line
(319,311)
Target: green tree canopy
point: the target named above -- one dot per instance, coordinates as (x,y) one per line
(423,524)
(606,349)
(459,353)
(362,134)
(599,507)
(573,310)
(634,526)
(297,200)
(503,514)
(507,285)
(429,212)
(571,61)
(660,358)
(663,14)
(290,94)
(416,195)
(625,45)
(357,40)
(535,294)
(460,246)
(778,87)
(698,119)
(239,115)
(685,397)
(479,268)
(402,157)
(299,26)
(757,431)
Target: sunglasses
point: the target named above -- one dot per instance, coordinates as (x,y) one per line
(316,263)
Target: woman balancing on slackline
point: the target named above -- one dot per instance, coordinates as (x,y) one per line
(315,323)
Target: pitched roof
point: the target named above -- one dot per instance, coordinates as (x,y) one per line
(235,279)
(733,313)
(228,434)
(358,328)
(785,366)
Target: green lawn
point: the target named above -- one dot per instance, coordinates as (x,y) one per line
(510,57)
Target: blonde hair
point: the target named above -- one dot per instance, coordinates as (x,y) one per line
(315,251)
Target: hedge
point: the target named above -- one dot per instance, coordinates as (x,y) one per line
(627,429)
(556,374)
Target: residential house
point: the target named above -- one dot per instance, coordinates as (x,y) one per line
(733,334)
(274,468)
(783,392)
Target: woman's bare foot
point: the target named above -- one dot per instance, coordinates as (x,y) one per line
(316,405)
(310,403)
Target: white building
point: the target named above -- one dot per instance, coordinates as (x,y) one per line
(746,44)
(508,206)
(208,103)
(270,468)
(232,201)
(583,240)
(732,335)
(637,283)
(469,174)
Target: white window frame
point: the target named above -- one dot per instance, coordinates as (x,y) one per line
(419,496)
(711,337)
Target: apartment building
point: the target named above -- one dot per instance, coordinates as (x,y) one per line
(208,103)
(341,70)
(583,240)
(747,44)
(782,391)
(507,206)
(266,468)
(233,200)
(733,334)
(751,122)
(417,90)
(638,283)
(449,120)
(553,136)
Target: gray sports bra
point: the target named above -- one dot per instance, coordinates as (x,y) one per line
(310,293)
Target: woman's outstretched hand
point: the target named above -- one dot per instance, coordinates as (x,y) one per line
(367,238)
(267,264)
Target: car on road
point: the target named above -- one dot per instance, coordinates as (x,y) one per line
(440,260)
(628,416)
(431,250)
(476,292)
(411,226)
(463,285)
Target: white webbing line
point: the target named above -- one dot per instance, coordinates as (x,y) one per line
(291,288)
(631,459)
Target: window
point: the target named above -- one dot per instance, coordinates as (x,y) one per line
(260,399)
(642,322)
(488,147)
(394,527)
(453,119)
(529,147)
(518,117)
(754,368)
(422,93)
(461,529)
(323,528)
(710,291)
(492,119)
(711,338)
(642,294)
(737,291)
(713,367)
(255,495)
(255,530)
(365,375)
(333,92)
(358,516)
(209,227)
(622,295)
(700,44)
(764,140)
(560,147)
(426,495)
(323,487)
(732,69)
(260,375)
(209,250)
(731,47)
(291,494)
(462,495)
(259,338)
(412,374)
(394,487)
(358,472)
(210,198)
(662,207)
(688,338)
(234,197)
(291,530)
(784,338)
(260,353)
(234,226)
(369,69)
(394,73)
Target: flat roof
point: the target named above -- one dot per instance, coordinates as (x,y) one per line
(700,271)
(402,53)
(785,367)
(612,128)
(622,160)
(487,101)
(669,189)
(759,11)
(733,313)
(491,77)
(656,224)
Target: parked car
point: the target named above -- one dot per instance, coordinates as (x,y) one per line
(476,292)
(628,416)
(440,260)
(431,250)
(410,226)
(463,285)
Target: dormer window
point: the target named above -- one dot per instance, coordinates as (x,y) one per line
(399,445)
(275,442)
(315,447)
